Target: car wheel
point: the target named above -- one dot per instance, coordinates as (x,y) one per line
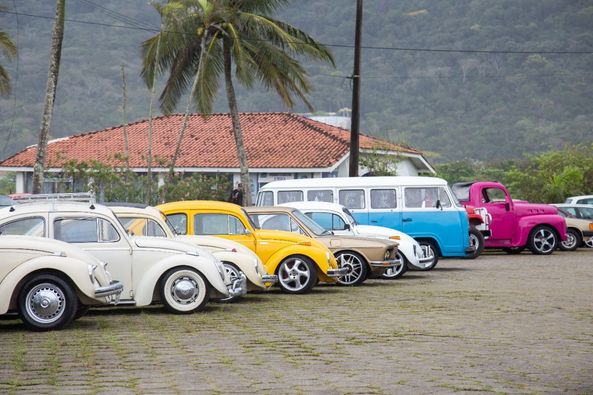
(589,242)
(297,275)
(398,270)
(47,302)
(82,310)
(513,250)
(476,240)
(184,290)
(572,242)
(357,268)
(542,240)
(431,251)
(233,272)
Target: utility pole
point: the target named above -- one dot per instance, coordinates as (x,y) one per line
(355,118)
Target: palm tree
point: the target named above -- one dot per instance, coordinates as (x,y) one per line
(50,94)
(8,48)
(201,41)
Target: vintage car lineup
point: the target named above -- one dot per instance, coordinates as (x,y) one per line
(65,253)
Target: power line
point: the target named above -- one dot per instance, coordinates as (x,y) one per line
(119,16)
(350,46)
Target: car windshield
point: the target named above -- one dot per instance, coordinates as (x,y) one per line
(169,224)
(313,226)
(349,216)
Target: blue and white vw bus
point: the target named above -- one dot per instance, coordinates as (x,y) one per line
(423,207)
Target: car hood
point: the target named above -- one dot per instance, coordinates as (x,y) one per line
(168,244)
(381,231)
(216,244)
(287,237)
(525,208)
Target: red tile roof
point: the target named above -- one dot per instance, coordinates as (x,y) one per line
(272,140)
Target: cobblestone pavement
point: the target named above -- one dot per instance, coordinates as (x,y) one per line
(501,323)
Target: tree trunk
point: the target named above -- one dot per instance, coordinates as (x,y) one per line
(237,134)
(187,109)
(50,95)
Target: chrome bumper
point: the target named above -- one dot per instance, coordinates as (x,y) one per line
(111,291)
(238,287)
(269,278)
(391,263)
(339,272)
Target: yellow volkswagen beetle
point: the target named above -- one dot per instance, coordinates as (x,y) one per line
(299,261)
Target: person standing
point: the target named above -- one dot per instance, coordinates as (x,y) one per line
(237,195)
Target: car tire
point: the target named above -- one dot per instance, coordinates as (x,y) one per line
(476,239)
(47,302)
(184,290)
(297,274)
(573,241)
(81,311)
(357,268)
(429,247)
(542,240)
(233,272)
(397,271)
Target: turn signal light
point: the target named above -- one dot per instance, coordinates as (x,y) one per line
(590,225)
(305,243)
(394,237)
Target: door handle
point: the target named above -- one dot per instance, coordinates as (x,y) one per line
(373,221)
(407,220)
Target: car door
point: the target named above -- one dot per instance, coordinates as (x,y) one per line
(500,207)
(101,238)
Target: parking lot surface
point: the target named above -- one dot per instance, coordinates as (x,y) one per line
(497,324)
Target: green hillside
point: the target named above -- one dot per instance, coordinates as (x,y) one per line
(469,104)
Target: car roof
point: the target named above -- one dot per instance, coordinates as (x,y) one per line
(577,205)
(344,182)
(263,209)
(199,205)
(54,205)
(314,205)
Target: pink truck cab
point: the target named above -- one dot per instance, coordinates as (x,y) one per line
(515,225)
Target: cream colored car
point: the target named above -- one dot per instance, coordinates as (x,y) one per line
(237,259)
(49,282)
(151,270)
(579,231)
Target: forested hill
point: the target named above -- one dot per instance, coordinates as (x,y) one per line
(498,89)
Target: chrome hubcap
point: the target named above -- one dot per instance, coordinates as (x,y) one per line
(294,274)
(184,290)
(46,303)
(395,270)
(544,240)
(354,266)
(570,241)
(473,241)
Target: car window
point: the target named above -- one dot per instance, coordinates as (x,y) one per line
(570,210)
(265,199)
(217,224)
(290,196)
(493,195)
(275,222)
(178,222)
(27,226)
(351,198)
(142,227)
(328,221)
(426,197)
(84,230)
(585,201)
(320,195)
(383,198)
(586,212)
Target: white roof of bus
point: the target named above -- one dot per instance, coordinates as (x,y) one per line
(345,182)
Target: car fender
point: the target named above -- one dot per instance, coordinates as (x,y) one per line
(316,254)
(526,225)
(75,270)
(145,286)
(245,263)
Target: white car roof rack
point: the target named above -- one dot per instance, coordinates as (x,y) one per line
(87,197)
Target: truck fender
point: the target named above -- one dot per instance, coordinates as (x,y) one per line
(526,225)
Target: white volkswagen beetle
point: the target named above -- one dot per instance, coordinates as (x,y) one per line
(50,283)
(180,276)
(337,218)
(237,259)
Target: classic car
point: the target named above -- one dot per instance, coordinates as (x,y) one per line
(180,276)
(363,256)
(50,283)
(338,219)
(584,199)
(237,259)
(298,261)
(579,231)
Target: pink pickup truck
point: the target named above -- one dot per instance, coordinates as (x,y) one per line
(515,224)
